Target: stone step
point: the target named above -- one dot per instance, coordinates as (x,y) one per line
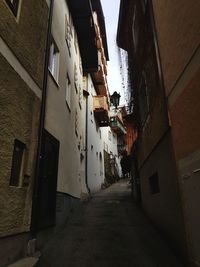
(25,262)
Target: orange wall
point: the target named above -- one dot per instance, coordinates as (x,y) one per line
(131,136)
(185,119)
(178,31)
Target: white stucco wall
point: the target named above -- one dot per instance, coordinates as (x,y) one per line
(110,145)
(95,145)
(60,120)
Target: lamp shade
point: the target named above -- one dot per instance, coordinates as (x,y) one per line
(114,98)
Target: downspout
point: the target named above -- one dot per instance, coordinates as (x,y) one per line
(86,94)
(41,123)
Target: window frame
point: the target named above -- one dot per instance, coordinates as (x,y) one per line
(143,86)
(54,54)
(76,83)
(17,163)
(68,32)
(154,184)
(68,90)
(80,97)
(14,7)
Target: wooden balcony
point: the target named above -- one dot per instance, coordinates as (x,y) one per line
(100,107)
(117,125)
(99,75)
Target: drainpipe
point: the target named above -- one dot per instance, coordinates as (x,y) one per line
(41,123)
(86,94)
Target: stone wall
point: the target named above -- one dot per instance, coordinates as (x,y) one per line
(19,115)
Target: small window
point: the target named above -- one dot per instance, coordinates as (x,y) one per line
(68,92)
(76,122)
(13,5)
(17,161)
(75,42)
(105,146)
(109,135)
(80,65)
(68,32)
(76,78)
(54,60)
(144,4)
(154,184)
(114,139)
(135,29)
(143,101)
(80,96)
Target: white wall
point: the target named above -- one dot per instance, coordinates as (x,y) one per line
(95,145)
(60,120)
(110,145)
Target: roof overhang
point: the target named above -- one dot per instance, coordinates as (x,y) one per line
(82,15)
(122,25)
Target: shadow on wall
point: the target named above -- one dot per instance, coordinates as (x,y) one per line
(111,173)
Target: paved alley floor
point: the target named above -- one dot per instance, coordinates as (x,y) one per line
(111,231)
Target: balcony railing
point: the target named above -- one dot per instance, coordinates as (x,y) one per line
(100,107)
(117,126)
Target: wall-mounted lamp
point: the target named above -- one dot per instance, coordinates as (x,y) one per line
(114,99)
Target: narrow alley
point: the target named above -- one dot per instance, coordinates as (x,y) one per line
(92,93)
(109,231)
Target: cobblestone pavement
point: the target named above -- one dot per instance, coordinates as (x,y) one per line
(110,231)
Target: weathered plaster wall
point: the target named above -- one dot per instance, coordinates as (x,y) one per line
(19,114)
(186,131)
(110,142)
(185,119)
(156,122)
(164,208)
(95,145)
(190,181)
(178,31)
(26,35)
(61,120)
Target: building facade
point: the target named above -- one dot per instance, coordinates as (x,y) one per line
(22,51)
(163,53)
(59,154)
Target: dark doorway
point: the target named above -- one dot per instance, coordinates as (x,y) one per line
(46,204)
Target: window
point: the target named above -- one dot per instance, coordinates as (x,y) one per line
(75,42)
(114,139)
(54,60)
(80,65)
(17,161)
(135,29)
(143,101)
(144,4)
(109,135)
(76,78)
(68,32)
(105,146)
(80,96)
(154,184)
(13,5)
(68,92)
(76,122)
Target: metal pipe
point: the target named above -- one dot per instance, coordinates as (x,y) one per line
(41,123)
(86,144)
